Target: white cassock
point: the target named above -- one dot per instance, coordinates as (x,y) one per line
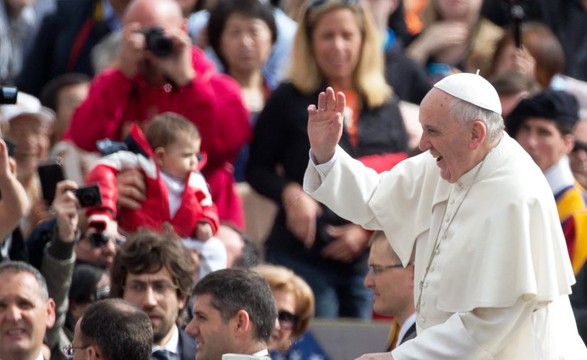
(492,271)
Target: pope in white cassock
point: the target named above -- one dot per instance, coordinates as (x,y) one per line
(492,269)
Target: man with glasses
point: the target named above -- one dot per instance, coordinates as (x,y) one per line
(393,289)
(156,273)
(26,311)
(234,313)
(111,329)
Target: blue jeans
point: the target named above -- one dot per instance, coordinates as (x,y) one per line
(337,295)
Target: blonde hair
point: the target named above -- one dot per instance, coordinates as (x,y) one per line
(282,278)
(368,78)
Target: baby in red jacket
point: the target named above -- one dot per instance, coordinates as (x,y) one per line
(177,195)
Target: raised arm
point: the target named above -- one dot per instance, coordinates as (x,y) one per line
(325,124)
(14,203)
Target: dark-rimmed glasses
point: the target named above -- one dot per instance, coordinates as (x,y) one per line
(69,350)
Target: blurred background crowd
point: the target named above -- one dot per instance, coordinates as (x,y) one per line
(225,187)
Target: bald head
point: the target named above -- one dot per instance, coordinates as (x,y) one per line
(162,13)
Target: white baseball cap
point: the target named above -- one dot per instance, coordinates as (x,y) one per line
(472,88)
(26,104)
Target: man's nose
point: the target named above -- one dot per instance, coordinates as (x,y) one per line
(192,329)
(13,313)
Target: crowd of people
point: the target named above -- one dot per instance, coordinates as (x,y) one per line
(186,179)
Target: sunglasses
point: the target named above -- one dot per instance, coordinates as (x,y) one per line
(287,320)
(99,239)
(580,146)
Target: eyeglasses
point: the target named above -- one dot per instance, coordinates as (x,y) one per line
(99,239)
(69,350)
(287,320)
(378,269)
(579,145)
(160,287)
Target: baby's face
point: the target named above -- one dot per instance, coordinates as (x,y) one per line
(180,158)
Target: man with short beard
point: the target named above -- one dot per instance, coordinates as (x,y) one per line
(156,273)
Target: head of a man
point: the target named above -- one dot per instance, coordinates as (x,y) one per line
(97,251)
(461,122)
(155,273)
(26,311)
(234,312)
(112,329)
(392,284)
(543,125)
(164,14)
(29,125)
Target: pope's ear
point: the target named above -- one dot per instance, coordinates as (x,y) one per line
(478,133)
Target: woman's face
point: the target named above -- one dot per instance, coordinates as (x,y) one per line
(337,43)
(245,43)
(458,9)
(281,338)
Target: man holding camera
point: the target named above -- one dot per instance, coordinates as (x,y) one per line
(158,70)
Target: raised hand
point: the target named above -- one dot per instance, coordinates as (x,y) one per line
(325,123)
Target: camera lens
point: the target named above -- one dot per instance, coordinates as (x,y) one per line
(98,239)
(8,95)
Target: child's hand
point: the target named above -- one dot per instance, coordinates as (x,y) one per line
(204,231)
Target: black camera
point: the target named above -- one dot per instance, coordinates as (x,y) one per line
(10,146)
(8,95)
(157,43)
(88,195)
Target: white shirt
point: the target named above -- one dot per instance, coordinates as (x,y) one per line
(172,345)
(492,271)
(405,327)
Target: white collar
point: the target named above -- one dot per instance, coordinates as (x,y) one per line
(172,345)
(559,175)
(411,320)
(261,353)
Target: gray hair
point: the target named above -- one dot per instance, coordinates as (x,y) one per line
(465,112)
(17,267)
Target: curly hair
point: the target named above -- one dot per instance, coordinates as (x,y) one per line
(148,252)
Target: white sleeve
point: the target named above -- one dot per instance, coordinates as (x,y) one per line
(315,174)
(479,334)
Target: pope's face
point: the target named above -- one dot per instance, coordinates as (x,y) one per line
(543,141)
(447,139)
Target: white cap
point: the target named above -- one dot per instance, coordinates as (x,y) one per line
(26,105)
(472,88)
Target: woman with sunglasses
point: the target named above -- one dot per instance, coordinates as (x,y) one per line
(336,45)
(295,309)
